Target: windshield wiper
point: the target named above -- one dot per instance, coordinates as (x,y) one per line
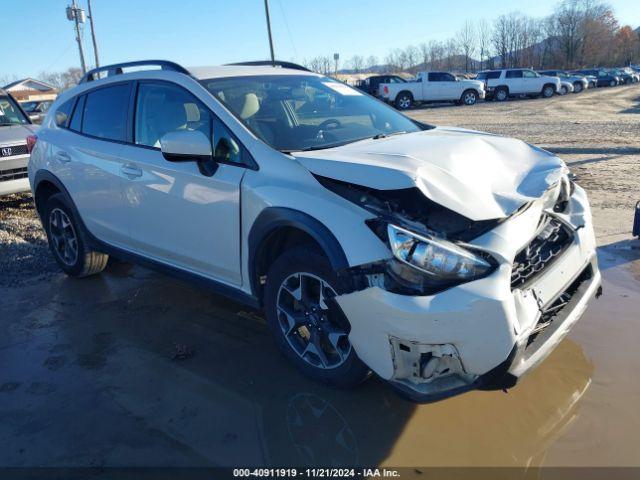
(385,135)
(340,144)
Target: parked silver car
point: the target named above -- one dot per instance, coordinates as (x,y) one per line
(579,82)
(15,127)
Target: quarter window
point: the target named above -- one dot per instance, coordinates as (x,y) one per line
(76,119)
(105,112)
(164,108)
(63,112)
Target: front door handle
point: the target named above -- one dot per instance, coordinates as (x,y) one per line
(131,171)
(63,157)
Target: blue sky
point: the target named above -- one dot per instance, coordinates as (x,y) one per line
(211,32)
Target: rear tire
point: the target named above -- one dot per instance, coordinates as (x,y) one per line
(564,90)
(308,327)
(66,241)
(404,101)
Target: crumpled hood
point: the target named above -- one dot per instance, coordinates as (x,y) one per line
(15,134)
(479,175)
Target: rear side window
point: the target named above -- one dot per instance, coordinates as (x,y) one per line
(76,118)
(488,75)
(514,74)
(63,112)
(105,112)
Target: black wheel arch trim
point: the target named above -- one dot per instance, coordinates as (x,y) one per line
(125,255)
(273,218)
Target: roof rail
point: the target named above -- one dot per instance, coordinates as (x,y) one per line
(269,63)
(116,68)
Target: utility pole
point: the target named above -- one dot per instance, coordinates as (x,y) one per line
(93,35)
(336,57)
(78,16)
(266,10)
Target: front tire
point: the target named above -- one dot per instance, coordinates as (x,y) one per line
(564,90)
(548,91)
(66,241)
(577,87)
(501,94)
(308,326)
(469,97)
(404,101)
(612,83)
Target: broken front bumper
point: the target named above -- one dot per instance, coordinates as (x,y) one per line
(486,333)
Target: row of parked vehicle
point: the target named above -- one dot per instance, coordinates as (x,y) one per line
(498,85)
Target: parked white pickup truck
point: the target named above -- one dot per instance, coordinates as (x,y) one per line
(432,87)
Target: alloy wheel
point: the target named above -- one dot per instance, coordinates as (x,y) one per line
(404,102)
(501,95)
(313,326)
(63,237)
(469,98)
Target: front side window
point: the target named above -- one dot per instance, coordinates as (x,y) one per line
(105,112)
(10,114)
(306,112)
(162,108)
(529,74)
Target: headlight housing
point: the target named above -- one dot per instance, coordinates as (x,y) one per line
(433,262)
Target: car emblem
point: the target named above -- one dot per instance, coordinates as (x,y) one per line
(6,152)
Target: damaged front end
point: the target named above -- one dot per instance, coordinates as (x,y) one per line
(427,240)
(465,304)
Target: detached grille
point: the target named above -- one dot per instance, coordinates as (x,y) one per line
(13,174)
(554,311)
(13,150)
(552,239)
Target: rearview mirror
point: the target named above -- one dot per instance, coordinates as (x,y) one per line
(186,146)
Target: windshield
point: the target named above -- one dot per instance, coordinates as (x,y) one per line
(10,114)
(304,112)
(29,106)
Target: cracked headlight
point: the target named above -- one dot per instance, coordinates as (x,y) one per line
(442,261)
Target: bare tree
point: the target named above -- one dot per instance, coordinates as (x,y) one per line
(357,63)
(467,38)
(424,54)
(62,80)
(483,30)
(412,56)
(372,61)
(451,53)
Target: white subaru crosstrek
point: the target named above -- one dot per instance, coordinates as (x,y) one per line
(441,259)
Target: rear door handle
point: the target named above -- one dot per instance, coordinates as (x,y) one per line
(63,157)
(131,171)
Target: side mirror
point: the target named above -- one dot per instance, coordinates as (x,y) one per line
(189,146)
(186,146)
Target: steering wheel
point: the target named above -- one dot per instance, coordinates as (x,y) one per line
(332,121)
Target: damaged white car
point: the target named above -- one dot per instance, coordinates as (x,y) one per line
(440,259)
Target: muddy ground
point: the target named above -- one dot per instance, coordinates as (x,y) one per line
(133,368)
